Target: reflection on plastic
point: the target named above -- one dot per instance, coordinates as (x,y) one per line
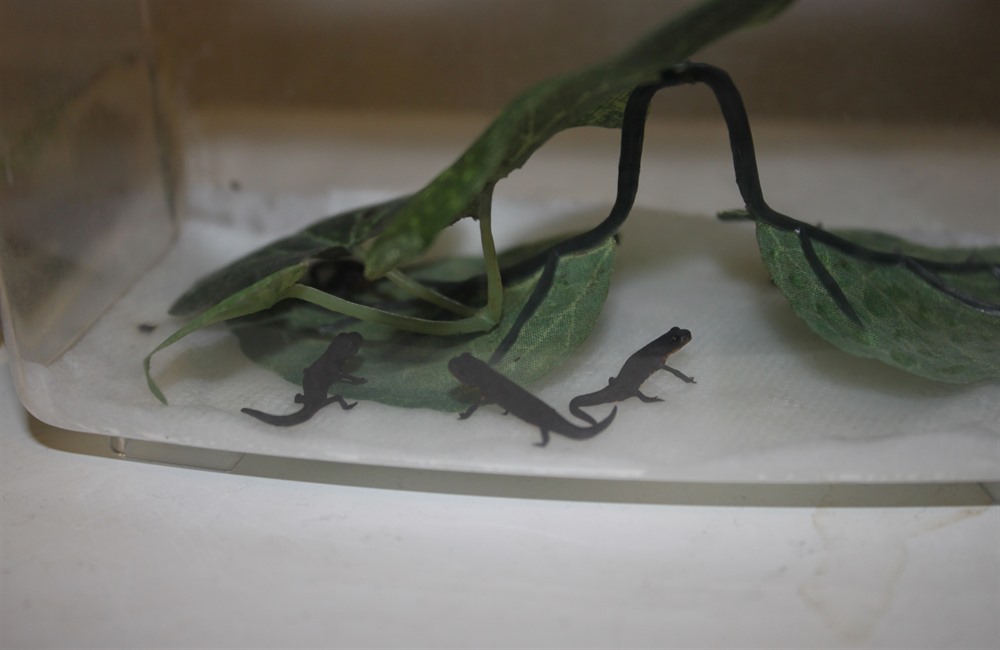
(84,202)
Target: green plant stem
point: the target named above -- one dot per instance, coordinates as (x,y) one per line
(480,322)
(476,320)
(494,283)
(428,295)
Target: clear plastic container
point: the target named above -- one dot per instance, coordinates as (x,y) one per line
(146,144)
(87,193)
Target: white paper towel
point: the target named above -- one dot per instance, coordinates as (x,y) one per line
(773,401)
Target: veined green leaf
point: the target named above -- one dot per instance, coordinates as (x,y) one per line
(399,230)
(594,96)
(410,370)
(904,321)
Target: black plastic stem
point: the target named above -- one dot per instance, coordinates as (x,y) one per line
(748,181)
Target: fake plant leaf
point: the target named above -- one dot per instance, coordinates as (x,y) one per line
(396,231)
(403,227)
(904,321)
(593,96)
(258,296)
(332,238)
(410,370)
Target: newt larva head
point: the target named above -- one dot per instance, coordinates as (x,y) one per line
(465,367)
(345,344)
(677,337)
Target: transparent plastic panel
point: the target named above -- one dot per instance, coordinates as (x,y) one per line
(299,110)
(83,198)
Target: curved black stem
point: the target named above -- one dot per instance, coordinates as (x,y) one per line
(825,278)
(748,178)
(629,160)
(748,181)
(538,294)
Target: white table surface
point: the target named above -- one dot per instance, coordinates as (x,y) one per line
(99,552)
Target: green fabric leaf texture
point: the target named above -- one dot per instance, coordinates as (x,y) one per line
(906,322)
(593,96)
(407,369)
(410,370)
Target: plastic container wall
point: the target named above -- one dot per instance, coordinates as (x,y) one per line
(84,197)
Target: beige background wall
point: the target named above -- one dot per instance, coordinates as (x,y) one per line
(913,60)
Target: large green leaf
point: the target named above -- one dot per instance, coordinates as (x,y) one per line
(390,233)
(404,227)
(594,96)
(905,322)
(410,370)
